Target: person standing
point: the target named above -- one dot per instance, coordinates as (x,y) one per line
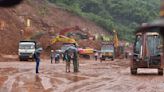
(75,61)
(96,55)
(37,60)
(52,56)
(57,57)
(63,56)
(67,58)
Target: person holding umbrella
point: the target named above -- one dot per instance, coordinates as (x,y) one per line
(74,57)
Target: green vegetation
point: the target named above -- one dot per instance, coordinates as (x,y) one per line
(122,15)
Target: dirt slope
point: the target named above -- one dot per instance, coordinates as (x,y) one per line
(45,17)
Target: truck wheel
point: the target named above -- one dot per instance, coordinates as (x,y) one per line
(160,71)
(20,59)
(112,59)
(133,71)
(102,59)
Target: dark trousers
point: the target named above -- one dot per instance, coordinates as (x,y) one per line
(96,58)
(76,65)
(37,65)
(51,59)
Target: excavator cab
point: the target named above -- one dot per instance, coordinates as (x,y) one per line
(147,50)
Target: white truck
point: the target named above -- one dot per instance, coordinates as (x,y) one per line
(26,50)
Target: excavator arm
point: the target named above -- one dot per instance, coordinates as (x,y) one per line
(63,39)
(115,39)
(64,31)
(76,29)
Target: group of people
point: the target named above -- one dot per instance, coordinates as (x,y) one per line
(55,56)
(67,57)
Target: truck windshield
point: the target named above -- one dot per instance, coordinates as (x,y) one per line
(26,46)
(153,43)
(107,47)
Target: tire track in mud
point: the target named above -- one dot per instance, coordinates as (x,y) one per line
(92,83)
(138,83)
(8,84)
(80,85)
(64,79)
(95,77)
(121,81)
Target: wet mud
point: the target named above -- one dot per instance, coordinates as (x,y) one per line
(109,76)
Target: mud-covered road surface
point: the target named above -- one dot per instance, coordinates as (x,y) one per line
(108,76)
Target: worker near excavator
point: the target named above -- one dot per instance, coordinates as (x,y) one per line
(57,57)
(96,55)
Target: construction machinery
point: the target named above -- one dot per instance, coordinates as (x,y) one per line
(147,48)
(107,51)
(110,47)
(86,52)
(66,41)
(71,42)
(63,39)
(82,33)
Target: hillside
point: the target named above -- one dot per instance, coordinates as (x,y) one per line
(122,15)
(45,17)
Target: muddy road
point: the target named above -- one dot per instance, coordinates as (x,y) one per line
(109,76)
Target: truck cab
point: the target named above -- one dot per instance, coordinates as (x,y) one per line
(147,50)
(26,50)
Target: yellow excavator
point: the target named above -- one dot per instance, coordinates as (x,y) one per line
(70,41)
(63,39)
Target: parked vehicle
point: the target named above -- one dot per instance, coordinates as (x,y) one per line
(147,49)
(107,51)
(26,50)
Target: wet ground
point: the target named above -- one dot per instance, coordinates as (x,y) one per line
(108,76)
